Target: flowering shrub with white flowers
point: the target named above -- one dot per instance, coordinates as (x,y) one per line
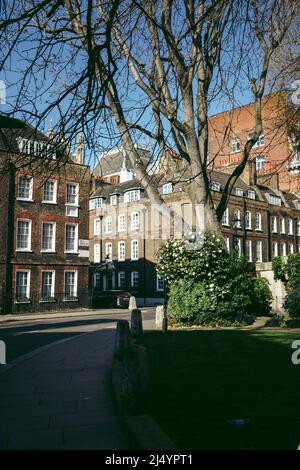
(207,286)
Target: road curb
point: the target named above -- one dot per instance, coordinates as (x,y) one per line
(35,352)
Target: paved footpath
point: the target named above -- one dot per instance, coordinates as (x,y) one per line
(62,398)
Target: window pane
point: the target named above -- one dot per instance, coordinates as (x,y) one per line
(23,234)
(48,236)
(47,285)
(70,285)
(25,184)
(22,284)
(49,189)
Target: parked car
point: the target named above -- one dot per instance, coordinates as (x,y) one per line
(110,299)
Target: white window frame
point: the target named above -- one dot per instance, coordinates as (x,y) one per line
(227,243)
(30,197)
(273,223)
(121,227)
(235,145)
(167,188)
(132,195)
(76,203)
(52,249)
(260,141)
(108,250)
(282,224)
(135,221)
(158,287)
(248,220)
(134,251)
(133,273)
(121,251)
(97,254)
(54,200)
(28,248)
(225,217)
(97,226)
(283,249)
(291,226)
(258,224)
(237,215)
(75,298)
(249,254)
(239,245)
(72,207)
(76,238)
(108,224)
(215,186)
(28,272)
(52,293)
(251,194)
(95,203)
(239,192)
(298,228)
(259,251)
(274,249)
(291,248)
(113,199)
(121,274)
(260,162)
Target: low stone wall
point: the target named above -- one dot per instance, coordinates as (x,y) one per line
(277,287)
(130,379)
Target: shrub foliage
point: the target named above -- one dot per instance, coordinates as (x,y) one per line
(209,286)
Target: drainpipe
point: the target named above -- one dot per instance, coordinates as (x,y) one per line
(8,289)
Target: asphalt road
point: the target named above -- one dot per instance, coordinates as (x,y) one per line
(22,337)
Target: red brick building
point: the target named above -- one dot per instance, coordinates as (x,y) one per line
(44,254)
(273,152)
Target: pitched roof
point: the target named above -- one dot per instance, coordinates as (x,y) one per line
(12,129)
(114,160)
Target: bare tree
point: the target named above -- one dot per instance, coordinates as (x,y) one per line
(130,69)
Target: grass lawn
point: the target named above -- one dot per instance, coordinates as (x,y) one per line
(202,379)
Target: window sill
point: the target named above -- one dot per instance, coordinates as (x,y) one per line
(20,250)
(71,252)
(48,251)
(24,200)
(47,301)
(71,300)
(226,225)
(23,301)
(53,203)
(258,230)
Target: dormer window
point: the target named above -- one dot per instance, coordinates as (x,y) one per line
(251,194)
(275,200)
(132,195)
(215,186)
(38,148)
(235,145)
(239,192)
(167,188)
(96,202)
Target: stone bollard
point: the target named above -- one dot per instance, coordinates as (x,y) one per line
(159,317)
(132,303)
(122,339)
(136,323)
